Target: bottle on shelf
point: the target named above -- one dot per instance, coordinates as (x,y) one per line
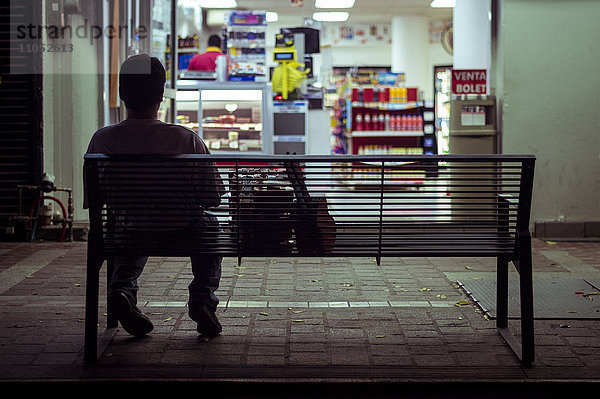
(403,123)
(359,123)
(381,122)
(367,120)
(387,122)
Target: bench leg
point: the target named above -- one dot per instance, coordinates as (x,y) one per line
(502,293)
(90,346)
(526,288)
(525,349)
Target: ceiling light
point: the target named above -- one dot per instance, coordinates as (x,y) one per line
(216,17)
(334,3)
(443,3)
(272,16)
(338,16)
(217,3)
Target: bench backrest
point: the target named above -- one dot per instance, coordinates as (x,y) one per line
(469,205)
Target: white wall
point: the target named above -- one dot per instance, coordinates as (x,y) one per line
(550,64)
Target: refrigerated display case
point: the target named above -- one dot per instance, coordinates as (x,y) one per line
(442,84)
(230,117)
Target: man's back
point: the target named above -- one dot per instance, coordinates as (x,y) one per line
(206,61)
(151,136)
(146,136)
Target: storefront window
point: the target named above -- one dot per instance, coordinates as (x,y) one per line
(161,35)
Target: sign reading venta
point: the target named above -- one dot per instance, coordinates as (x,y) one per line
(469,81)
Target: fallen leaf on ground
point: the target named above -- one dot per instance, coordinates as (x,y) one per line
(462,303)
(550,242)
(424,289)
(168,319)
(468,268)
(380,336)
(263,314)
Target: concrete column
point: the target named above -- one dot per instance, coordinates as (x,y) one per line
(410,49)
(472,34)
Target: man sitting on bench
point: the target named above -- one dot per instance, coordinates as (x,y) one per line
(141,87)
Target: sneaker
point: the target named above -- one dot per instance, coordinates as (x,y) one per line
(131,317)
(207,321)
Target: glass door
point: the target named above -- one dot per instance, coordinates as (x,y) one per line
(163,46)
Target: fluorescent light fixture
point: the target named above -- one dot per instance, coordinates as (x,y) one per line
(187,95)
(443,3)
(216,17)
(336,16)
(217,3)
(231,95)
(272,16)
(334,3)
(231,107)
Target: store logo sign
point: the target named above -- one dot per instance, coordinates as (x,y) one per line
(469,81)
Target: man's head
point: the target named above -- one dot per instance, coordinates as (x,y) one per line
(214,41)
(142,82)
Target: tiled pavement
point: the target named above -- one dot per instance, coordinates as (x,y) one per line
(309,320)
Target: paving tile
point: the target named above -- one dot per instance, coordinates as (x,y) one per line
(359,326)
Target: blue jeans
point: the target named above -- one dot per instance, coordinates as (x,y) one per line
(206,269)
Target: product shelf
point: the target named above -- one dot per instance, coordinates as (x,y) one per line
(386,133)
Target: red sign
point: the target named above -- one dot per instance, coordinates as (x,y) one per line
(469,81)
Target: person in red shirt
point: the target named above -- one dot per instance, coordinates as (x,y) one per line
(207,60)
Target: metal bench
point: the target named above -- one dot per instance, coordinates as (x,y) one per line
(316,206)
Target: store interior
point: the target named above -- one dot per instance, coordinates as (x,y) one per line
(308,77)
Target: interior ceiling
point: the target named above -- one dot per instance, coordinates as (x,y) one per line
(363,12)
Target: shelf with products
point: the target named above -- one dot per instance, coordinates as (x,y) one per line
(245,38)
(385,127)
(383,131)
(386,133)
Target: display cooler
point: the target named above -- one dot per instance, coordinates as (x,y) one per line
(230,117)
